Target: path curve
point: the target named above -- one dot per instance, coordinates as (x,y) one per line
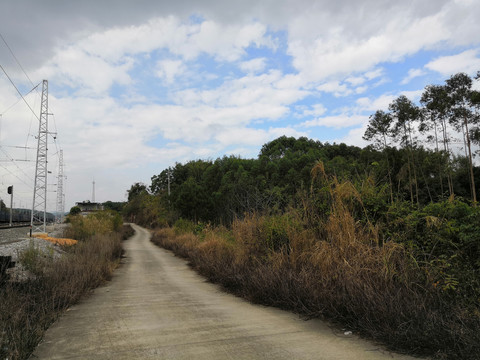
(156,307)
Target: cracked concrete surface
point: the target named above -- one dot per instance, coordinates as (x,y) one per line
(156,307)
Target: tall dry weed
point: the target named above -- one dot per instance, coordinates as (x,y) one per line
(378,291)
(331,265)
(29,307)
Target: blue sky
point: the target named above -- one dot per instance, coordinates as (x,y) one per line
(138,87)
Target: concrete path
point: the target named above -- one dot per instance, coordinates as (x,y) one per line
(157,308)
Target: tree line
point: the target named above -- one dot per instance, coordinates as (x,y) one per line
(448,114)
(411,158)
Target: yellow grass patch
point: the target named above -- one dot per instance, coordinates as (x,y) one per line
(58,241)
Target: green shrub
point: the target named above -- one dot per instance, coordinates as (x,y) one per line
(35,259)
(445,241)
(183,226)
(98,223)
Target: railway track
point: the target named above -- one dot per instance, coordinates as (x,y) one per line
(14,225)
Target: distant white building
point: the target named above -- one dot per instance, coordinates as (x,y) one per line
(87,207)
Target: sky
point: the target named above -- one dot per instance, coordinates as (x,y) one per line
(136,86)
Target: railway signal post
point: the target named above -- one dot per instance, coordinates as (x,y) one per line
(10,191)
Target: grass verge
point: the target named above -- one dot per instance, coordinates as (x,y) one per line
(380,292)
(28,308)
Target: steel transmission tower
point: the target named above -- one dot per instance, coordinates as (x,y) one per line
(60,203)
(39,207)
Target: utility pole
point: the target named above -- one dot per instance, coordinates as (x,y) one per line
(40,188)
(60,207)
(168,183)
(93,191)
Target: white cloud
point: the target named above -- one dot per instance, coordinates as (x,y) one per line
(254,65)
(170,69)
(467,61)
(104,58)
(88,73)
(412,74)
(226,42)
(370,104)
(373,74)
(336,88)
(380,103)
(355,84)
(339,45)
(219,40)
(254,137)
(354,137)
(339,52)
(268,90)
(355,80)
(338,121)
(361,89)
(413,95)
(114,43)
(315,110)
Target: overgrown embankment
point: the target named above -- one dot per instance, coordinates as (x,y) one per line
(29,307)
(420,298)
(384,239)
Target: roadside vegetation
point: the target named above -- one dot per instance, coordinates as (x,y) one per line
(57,281)
(383,239)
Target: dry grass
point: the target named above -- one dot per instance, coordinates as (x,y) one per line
(57,241)
(28,308)
(344,276)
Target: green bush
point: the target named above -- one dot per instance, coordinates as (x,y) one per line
(101,222)
(277,229)
(445,239)
(75,210)
(183,226)
(35,259)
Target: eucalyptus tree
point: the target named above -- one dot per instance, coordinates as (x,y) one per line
(379,130)
(405,113)
(436,104)
(475,102)
(459,88)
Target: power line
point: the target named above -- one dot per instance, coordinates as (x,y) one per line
(60,204)
(55,135)
(18,91)
(18,62)
(13,174)
(18,147)
(30,125)
(12,160)
(11,106)
(25,160)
